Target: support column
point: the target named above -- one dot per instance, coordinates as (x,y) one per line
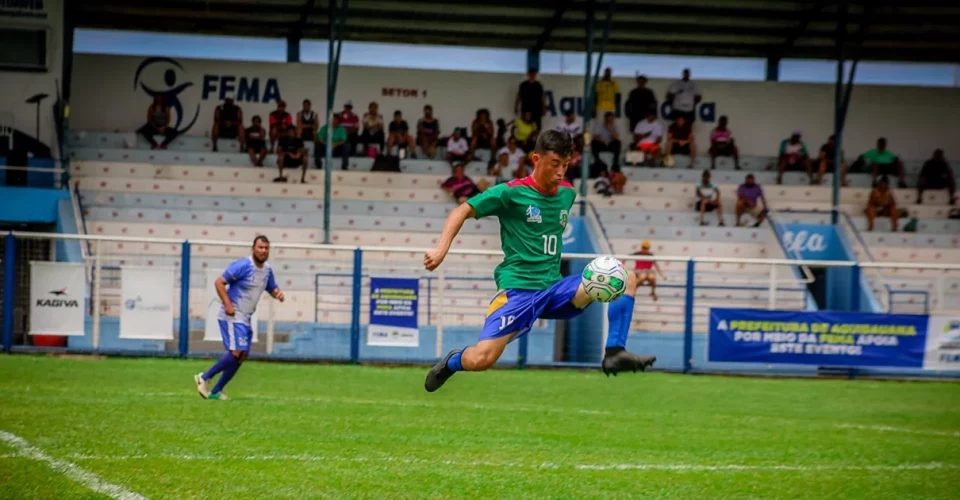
(337,19)
(293,50)
(773,69)
(838,111)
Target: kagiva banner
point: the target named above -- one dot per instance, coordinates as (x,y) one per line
(57,292)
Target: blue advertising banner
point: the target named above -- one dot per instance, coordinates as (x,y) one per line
(812,242)
(393,312)
(821,338)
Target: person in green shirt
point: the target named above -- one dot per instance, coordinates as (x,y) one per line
(882,162)
(340,146)
(533,213)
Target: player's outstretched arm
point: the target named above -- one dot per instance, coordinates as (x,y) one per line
(433,258)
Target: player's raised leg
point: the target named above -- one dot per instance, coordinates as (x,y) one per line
(616,358)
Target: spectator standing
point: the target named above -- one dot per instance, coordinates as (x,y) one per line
(680,139)
(481,130)
(749,196)
(606,138)
(291,153)
(708,198)
(525,131)
(683,97)
(158,123)
(340,144)
(351,123)
(882,203)
(457,148)
(428,132)
(513,152)
(640,102)
(648,134)
(372,128)
(227,122)
(503,131)
(459,186)
(531,98)
(936,174)
(721,144)
(399,134)
(827,159)
(884,162)
(278,120)
(256,142)
(607,90)
(793,155)
(307,122)
(644,269)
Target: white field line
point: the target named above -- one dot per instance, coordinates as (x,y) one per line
(73,471)
(509,465)
(907,430)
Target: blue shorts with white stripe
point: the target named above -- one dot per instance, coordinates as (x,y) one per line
(236,336)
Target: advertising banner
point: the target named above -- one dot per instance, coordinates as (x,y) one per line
(393,312)
(146,298)
(57,291)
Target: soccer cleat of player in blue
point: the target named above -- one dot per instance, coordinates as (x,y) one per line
(624,361)
(438,375)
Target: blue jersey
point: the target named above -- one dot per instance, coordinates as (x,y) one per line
(245,283)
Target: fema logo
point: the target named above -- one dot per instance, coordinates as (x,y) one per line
(951,338)
(131,304)
(533,214)
(170,86)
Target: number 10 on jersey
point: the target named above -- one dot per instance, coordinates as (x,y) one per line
(549,244)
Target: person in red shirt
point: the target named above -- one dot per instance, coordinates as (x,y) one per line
(350,121)
(644,270)
(279,120)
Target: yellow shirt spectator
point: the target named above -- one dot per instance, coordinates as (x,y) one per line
(607,91)
(522,130)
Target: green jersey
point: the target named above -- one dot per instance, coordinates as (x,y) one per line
(531,231)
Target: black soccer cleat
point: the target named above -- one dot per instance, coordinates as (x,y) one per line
(626,361)
(438,375)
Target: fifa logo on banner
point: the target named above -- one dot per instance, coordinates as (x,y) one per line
(804,241)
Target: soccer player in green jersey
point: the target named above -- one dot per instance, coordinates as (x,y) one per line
(533,213)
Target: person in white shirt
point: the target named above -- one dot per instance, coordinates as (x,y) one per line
(457,148)
(648,134)
(572,127)
(606,138)
(683,97)
(514,153)
(708,198)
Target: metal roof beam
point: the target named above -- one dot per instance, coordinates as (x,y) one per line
(551,24)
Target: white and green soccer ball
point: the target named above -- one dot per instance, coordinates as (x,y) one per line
(605,279)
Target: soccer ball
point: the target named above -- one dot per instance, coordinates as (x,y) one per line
(605,279)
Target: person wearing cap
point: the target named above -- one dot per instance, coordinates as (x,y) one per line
(351,122)
(307,122)
(794,156)
(279,117)
(641,101)
(457,148)
(428,132)
(644,270)
(749,196)
(227,122)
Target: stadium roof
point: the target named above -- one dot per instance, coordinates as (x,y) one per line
(893,30)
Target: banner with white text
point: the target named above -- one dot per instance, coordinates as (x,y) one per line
(146,294)
(393,312)
(57,291)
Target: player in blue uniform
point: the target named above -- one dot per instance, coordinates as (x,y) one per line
(239,288)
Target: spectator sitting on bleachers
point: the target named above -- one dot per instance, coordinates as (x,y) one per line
(647,136)
(255,142)
(525,131)
(708,198)
(793,155)
(827,153)
(340,147)
(372,128)
(721,144)
(530,97)
(227,122)
(457,148)
(644,270)
(514,153)
(883,204)
(158,123)
(606,138)
(748,195)
(483,135)
(680,139)
(307,122)
(640,102)
(572,127)
(499,169)
(607,90)
(883,162)
(278,121)
(459,186)
(428,132)
(399,134)
(351,122)
(936,174)
(683,97)
(291,153)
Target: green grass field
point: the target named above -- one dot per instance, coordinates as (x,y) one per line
(296,431)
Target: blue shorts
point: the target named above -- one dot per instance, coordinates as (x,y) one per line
(517,310)
(236,336)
